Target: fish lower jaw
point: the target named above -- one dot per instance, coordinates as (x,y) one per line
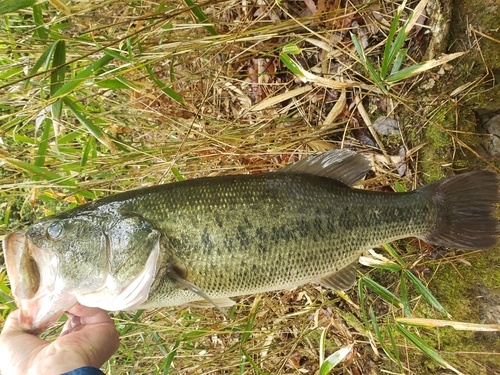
(38,314)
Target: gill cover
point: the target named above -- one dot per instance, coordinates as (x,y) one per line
(133,247)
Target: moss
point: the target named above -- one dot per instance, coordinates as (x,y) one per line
(435,154)
(456,286)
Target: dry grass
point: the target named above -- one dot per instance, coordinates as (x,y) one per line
(178,98)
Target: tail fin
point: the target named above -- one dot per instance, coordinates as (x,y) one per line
(466,205)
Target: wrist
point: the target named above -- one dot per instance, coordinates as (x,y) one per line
(63,361)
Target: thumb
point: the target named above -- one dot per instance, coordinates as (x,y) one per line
(92,332)
(17,347)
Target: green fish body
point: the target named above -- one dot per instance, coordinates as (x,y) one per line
(209,239)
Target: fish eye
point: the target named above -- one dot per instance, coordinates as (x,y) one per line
(54,230)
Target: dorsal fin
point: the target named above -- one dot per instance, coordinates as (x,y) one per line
(341,280)
(343,165)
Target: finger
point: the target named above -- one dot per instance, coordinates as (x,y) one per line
(13,328)
(106,338)
(17,347)
(89,315)
(98,340)
(72,322)
(12,323)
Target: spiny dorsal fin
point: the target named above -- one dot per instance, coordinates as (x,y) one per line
(340,280)
(343,165)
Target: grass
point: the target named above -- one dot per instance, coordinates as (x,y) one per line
(110,96)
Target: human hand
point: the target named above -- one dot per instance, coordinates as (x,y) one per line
(89,338)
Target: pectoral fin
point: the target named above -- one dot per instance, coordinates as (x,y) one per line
(195,289)
(341,280)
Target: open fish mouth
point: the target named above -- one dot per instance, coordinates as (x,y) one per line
(39,308)
(21,266)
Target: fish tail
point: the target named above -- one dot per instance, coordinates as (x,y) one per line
(466,205)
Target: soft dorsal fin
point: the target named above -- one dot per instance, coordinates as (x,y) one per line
(344,165)
(341,280)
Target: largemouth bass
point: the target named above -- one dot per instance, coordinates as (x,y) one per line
(209,239)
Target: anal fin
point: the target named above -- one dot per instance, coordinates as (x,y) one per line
(340,280)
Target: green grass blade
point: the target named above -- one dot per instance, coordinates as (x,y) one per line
(291,49)
(399,187)
(68,138)
(291,64)
(167,90)
(177,174)
(404,73)
(380,264)
(334,359)
(368,66)
(44,59)
(116,83)
(58,59)
(123,329)
(117,55)
(382,292)
(426,293)
(41,31)
(395,349)
(404,295)
(44,143)
(250,324)
(398,42)
(165,366)
(83,76)
(10,6)
(424,347)
(359,49)
(78,112)
(41,172)
(394,254)
(362,304)
(6,301)
(57,76)
(201,17)
(88,146)
(380,338)
(11,72)
(396,46)
(252,363)
(7,214)
(386,60)
(399,60)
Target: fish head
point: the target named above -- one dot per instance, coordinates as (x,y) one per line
(51,261)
